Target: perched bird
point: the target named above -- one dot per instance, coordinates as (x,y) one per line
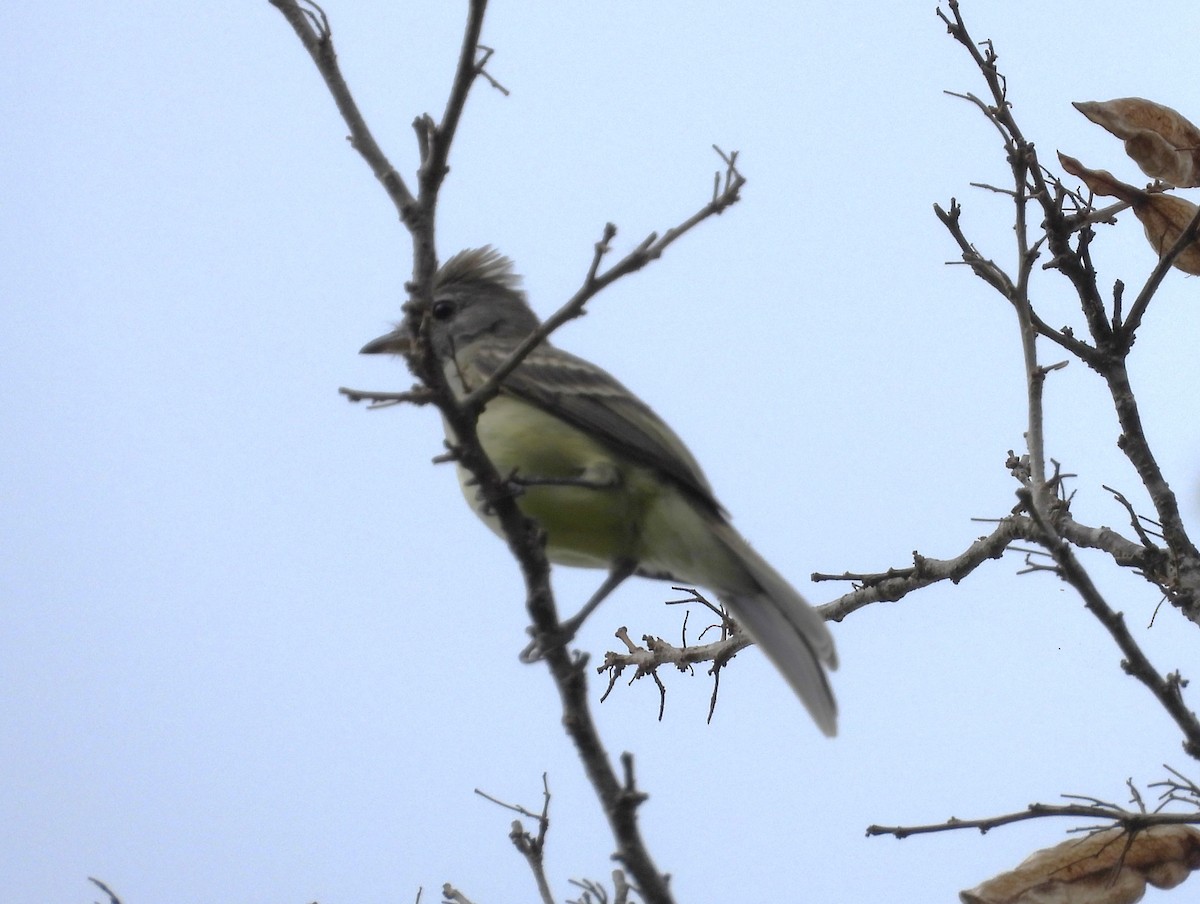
(611,485)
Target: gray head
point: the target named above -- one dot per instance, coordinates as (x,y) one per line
(476,295)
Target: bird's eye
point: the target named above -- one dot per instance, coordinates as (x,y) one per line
(442,310)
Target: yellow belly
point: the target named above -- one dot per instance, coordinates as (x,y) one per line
(627,512)
(586,525)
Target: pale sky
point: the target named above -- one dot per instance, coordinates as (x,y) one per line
(253,646)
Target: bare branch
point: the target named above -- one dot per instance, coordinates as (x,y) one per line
(1184,589)
(418,395)
(656,653)
(895,584)
(112,895)
(1131,821)
(651,248)
(311,25)
(531,847)
(483,73)
(1113,339)
(1136,521)
(994,276)
(470,64)
(985,269)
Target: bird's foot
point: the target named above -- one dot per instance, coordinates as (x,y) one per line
(545,641)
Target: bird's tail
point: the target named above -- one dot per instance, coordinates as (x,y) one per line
(788,629)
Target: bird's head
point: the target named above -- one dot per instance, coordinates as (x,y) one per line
(476,296)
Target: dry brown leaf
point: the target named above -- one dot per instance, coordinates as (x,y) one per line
(1161,141)
(1102,182)
(1163,216)
(1103,868)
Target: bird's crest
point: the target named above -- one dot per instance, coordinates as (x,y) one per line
(482,266)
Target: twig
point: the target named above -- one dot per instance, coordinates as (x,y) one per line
(649,249)
(482,71)
(1184,588)
(112,895)
(532,848)
(418,395)
(311,25)
(593,892)
(1178,789)
(1131,821)
(994,276)
(433,165)
(895,584)
(1135,520)
(656,653)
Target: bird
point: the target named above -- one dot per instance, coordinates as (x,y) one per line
(609,483)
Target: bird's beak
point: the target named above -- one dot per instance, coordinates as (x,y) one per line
(397,342)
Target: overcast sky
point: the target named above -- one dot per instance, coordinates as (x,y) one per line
(253,646)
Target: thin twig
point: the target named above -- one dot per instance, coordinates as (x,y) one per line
(651,248)
(1131,821)
(419,395)
(311,25)
(112,895)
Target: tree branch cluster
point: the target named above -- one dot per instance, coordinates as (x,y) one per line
(1159,549)
(1053,223)
(620,799)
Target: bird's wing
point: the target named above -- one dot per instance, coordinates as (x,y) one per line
(592,400)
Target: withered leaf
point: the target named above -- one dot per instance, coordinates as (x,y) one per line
(1163,216)
(1102,182)
(1159,139)
(1102,868)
